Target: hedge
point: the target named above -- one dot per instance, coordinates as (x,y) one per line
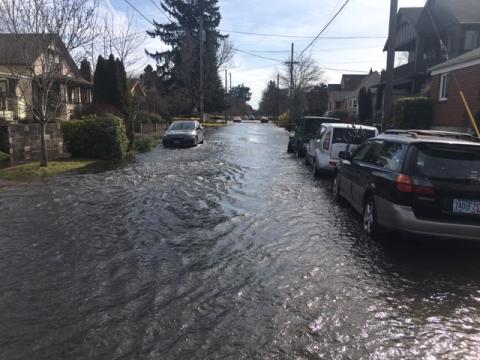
(149,118)
(4,157)
(413,113)
(96,137)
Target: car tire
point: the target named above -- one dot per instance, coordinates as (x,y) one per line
(290,148)
(195,142)
(336,188)
(369,218)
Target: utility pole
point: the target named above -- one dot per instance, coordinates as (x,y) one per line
(226,93)
(202,65)
(291,63)
(392,39)
(230,82)
(278,98)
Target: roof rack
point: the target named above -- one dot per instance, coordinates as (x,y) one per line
(436,133)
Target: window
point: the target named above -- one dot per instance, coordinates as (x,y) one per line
(443,87)
(3,93)
(362,151)
(471,39)
(3,88)
(391,156)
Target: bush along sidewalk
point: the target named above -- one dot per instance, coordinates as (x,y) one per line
(4,157)
(96,137)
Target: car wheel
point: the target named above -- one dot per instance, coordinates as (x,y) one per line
(290,148)
(370,225)
(195,142)
(336,188)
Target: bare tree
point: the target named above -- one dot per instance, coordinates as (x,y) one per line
(306,73)
(118,36)
(42,34)
(225,53)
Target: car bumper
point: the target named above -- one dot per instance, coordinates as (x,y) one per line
(401,218)
(186,141)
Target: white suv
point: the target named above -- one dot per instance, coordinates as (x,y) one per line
(331,139)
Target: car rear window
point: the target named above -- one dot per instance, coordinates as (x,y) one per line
(448,162)
(352,136)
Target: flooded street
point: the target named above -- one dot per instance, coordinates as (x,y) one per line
(230,250)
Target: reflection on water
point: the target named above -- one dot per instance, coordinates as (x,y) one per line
(229,250)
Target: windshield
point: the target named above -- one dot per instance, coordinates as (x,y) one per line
(187,125)
(352,136)
(448,162)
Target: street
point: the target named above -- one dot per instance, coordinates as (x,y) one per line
(228,250)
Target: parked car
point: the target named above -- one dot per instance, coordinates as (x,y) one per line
(419,182)
(237,119)
(305,131)
(251,117)
(264,119)
(331,139)
(184,133)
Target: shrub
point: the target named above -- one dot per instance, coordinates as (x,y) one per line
(339,114)
(96,137)
(148,118)
(4,157)
(413,113)
(145,144)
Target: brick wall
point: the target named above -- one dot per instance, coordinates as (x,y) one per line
(22,142)
(451,114)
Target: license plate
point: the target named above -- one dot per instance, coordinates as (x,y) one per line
(466,206)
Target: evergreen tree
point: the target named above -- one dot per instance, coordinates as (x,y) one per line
(363,105)
(86,70)
(178,68)
(273,100)
(368,103)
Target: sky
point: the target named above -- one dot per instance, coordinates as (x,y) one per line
(303,18)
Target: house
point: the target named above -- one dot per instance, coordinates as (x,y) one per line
(24,60)
(340,95)
(456,22)
(135,88)
(449,112)
(366,83)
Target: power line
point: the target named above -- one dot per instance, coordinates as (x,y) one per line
(258,56)
(325,27)
(302,36)
(161,10)
(139,12)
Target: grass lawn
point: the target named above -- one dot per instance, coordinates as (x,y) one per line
(33,170)
(213,125)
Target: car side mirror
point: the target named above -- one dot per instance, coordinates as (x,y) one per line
(345,155)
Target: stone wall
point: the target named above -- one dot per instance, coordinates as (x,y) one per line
(23,143)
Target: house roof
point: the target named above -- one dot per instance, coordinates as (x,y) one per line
(24,49)
(411,14)
(334,87)
(470,58)
(351,81)
(135,83)
(447,13)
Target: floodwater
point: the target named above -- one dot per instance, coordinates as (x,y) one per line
(227,251)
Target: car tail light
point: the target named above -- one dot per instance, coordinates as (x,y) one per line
(326,142)
(423,186)
(404,184)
